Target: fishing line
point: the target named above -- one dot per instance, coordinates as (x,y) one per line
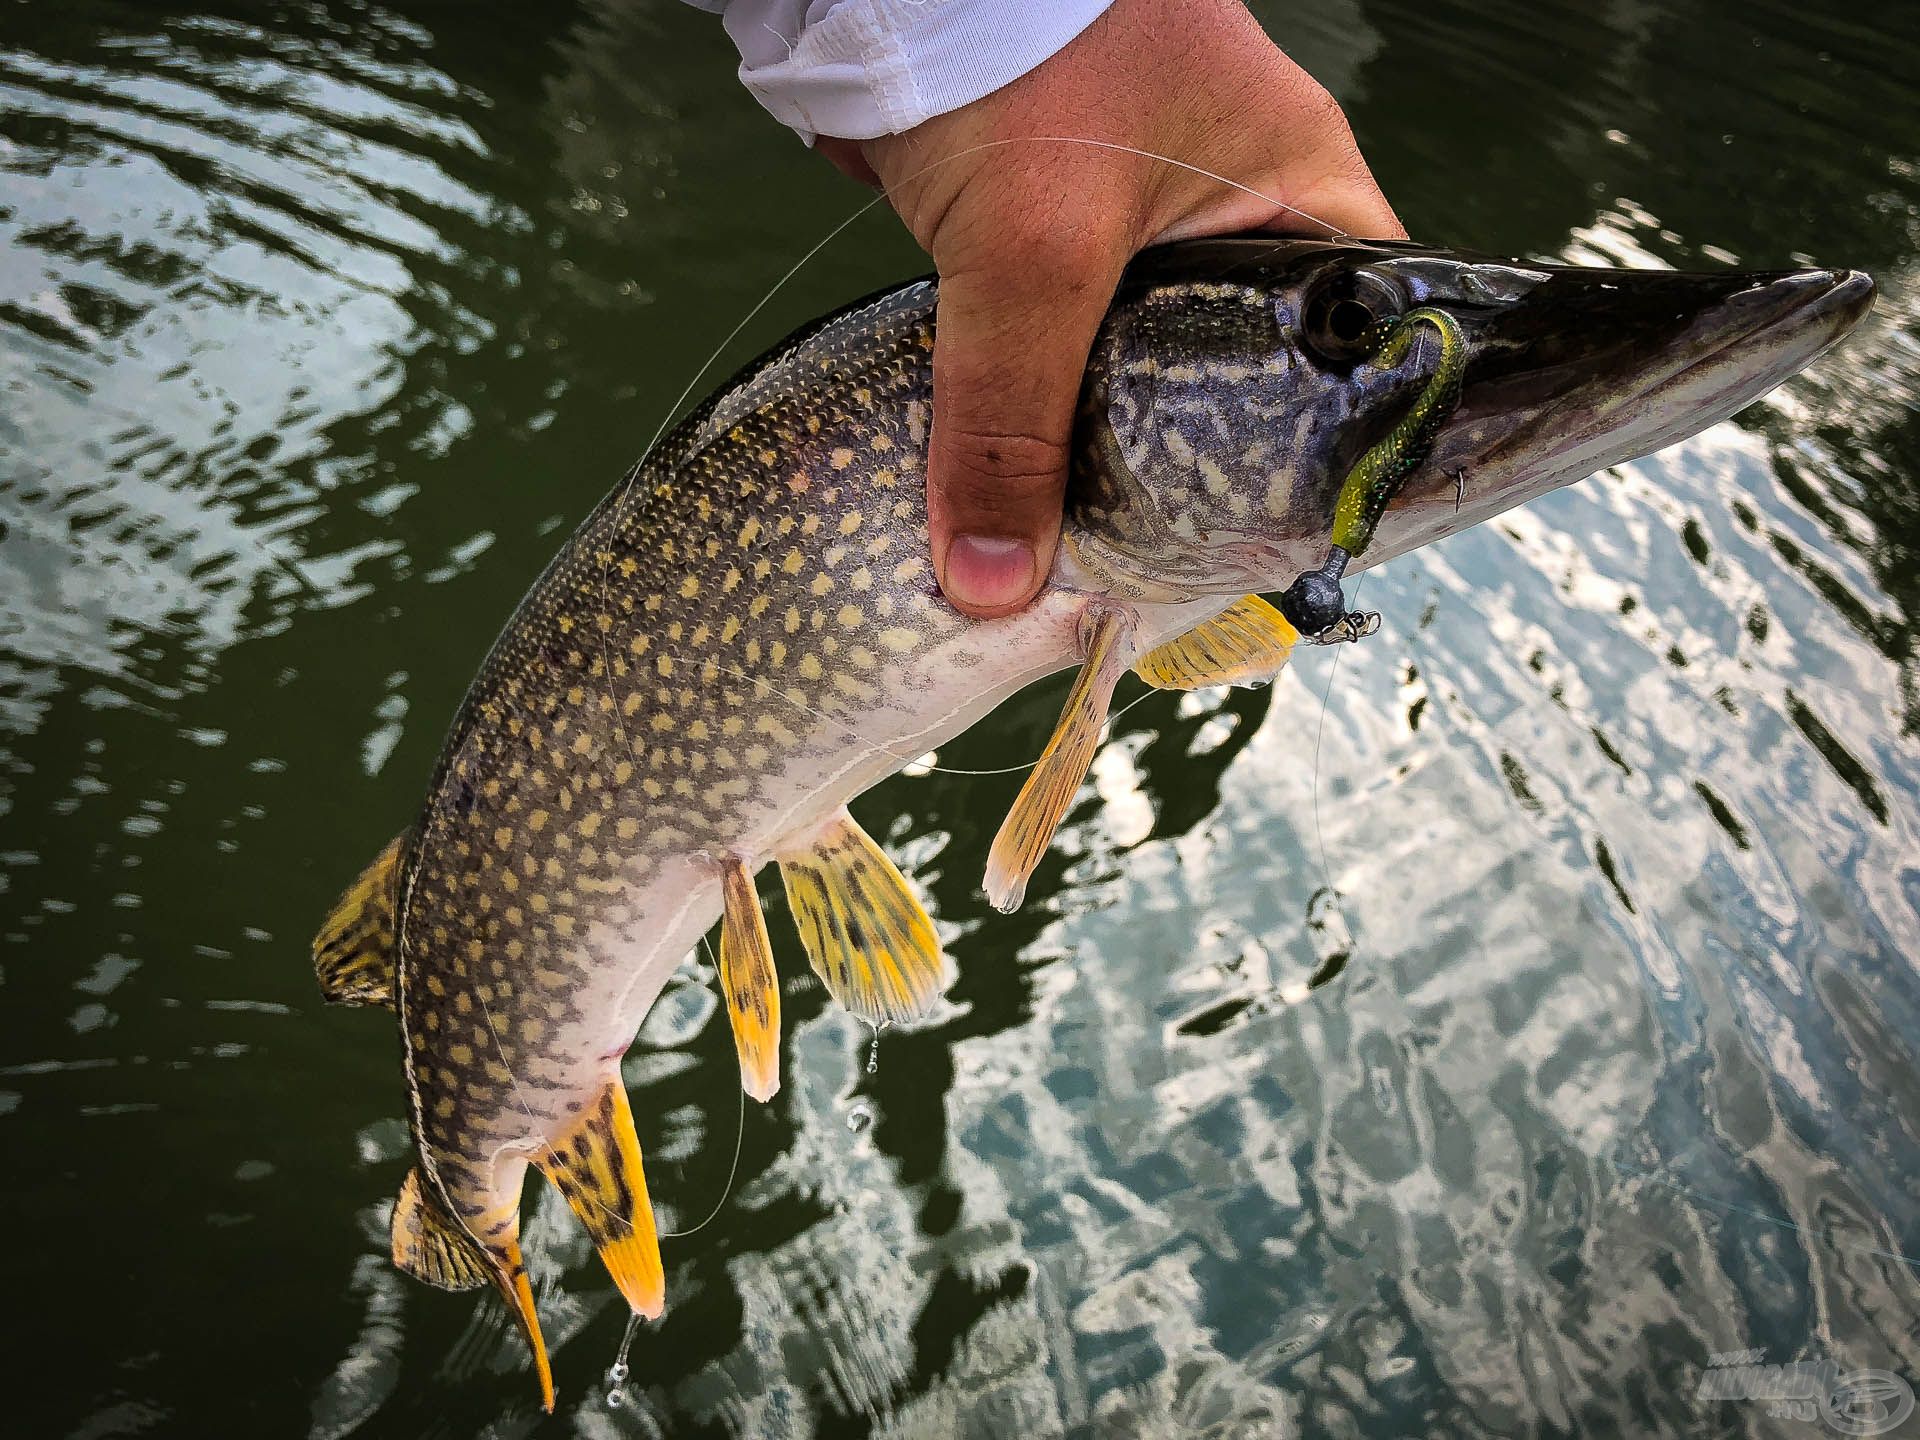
(739,1139)
(1319,729)
(714,668)
(922,173)
(1803,1231)
(640,471)
(618,1372)
(640,468)
(1684,1190)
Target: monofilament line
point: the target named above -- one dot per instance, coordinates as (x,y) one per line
(638,474)
(640,469)
(739,1139)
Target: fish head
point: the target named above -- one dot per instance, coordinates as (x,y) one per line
(1239,382)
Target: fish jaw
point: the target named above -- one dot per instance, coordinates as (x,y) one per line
(1503,449)
(1228,405)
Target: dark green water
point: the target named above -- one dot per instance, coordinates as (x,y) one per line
(319,326)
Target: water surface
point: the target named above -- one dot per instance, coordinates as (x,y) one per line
(1472,1036)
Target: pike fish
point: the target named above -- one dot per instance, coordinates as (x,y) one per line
(747,633)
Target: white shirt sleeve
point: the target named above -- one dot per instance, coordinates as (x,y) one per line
(862,68)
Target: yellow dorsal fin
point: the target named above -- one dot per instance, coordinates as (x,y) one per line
(1246,644)
(1043,800)
(430,1244)
(867,937)
(747,980)
(595,1164)
(353,953)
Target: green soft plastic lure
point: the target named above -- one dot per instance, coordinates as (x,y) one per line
(1314,603)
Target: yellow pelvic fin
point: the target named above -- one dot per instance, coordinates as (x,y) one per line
(1246,644)
(1043,801)
(595,1164)
(353,953)
(748,981)
(867,937)
(431,1245)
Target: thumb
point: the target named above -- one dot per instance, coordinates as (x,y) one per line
(1011,340)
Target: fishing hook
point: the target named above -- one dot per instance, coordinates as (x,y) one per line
(1314,603)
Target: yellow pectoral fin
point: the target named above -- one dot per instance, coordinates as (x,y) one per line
(866,935)
(431,1245)
(1246,644)
(748,981)
(353,953)
(596,1165)
(1043,800)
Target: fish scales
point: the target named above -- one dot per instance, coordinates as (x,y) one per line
(748,633)
(731,612)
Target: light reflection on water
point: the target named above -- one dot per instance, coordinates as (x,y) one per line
(1478,1056)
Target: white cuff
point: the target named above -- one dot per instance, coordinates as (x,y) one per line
(862,68)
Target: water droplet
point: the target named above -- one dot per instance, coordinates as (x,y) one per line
(859,1117)
(617,1372)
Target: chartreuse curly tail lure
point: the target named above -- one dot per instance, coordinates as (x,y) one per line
(1314,603)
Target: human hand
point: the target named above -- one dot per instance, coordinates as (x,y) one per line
(1030,238)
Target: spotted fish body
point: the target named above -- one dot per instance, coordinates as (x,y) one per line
(747,633)
(744,637)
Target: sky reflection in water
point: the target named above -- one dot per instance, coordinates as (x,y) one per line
(319,328)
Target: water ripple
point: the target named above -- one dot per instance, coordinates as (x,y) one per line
(1476,1050)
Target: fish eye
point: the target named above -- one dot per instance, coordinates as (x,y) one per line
(1341,320)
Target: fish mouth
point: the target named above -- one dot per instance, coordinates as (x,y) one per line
(1596,368)
(1762,337)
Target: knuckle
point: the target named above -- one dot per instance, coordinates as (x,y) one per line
(1042,246)
(1000,473)
(1341,164)
(1318,109)
(1326,131)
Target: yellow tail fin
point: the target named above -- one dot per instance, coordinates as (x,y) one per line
(510,1278)
(353,953)
(867,937)
(430,1244)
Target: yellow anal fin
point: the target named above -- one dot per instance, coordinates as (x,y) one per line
(1043,800)
(1246,644)
(431,1245)
(595,1164)
(353,953)
(748,981)
(867,937)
